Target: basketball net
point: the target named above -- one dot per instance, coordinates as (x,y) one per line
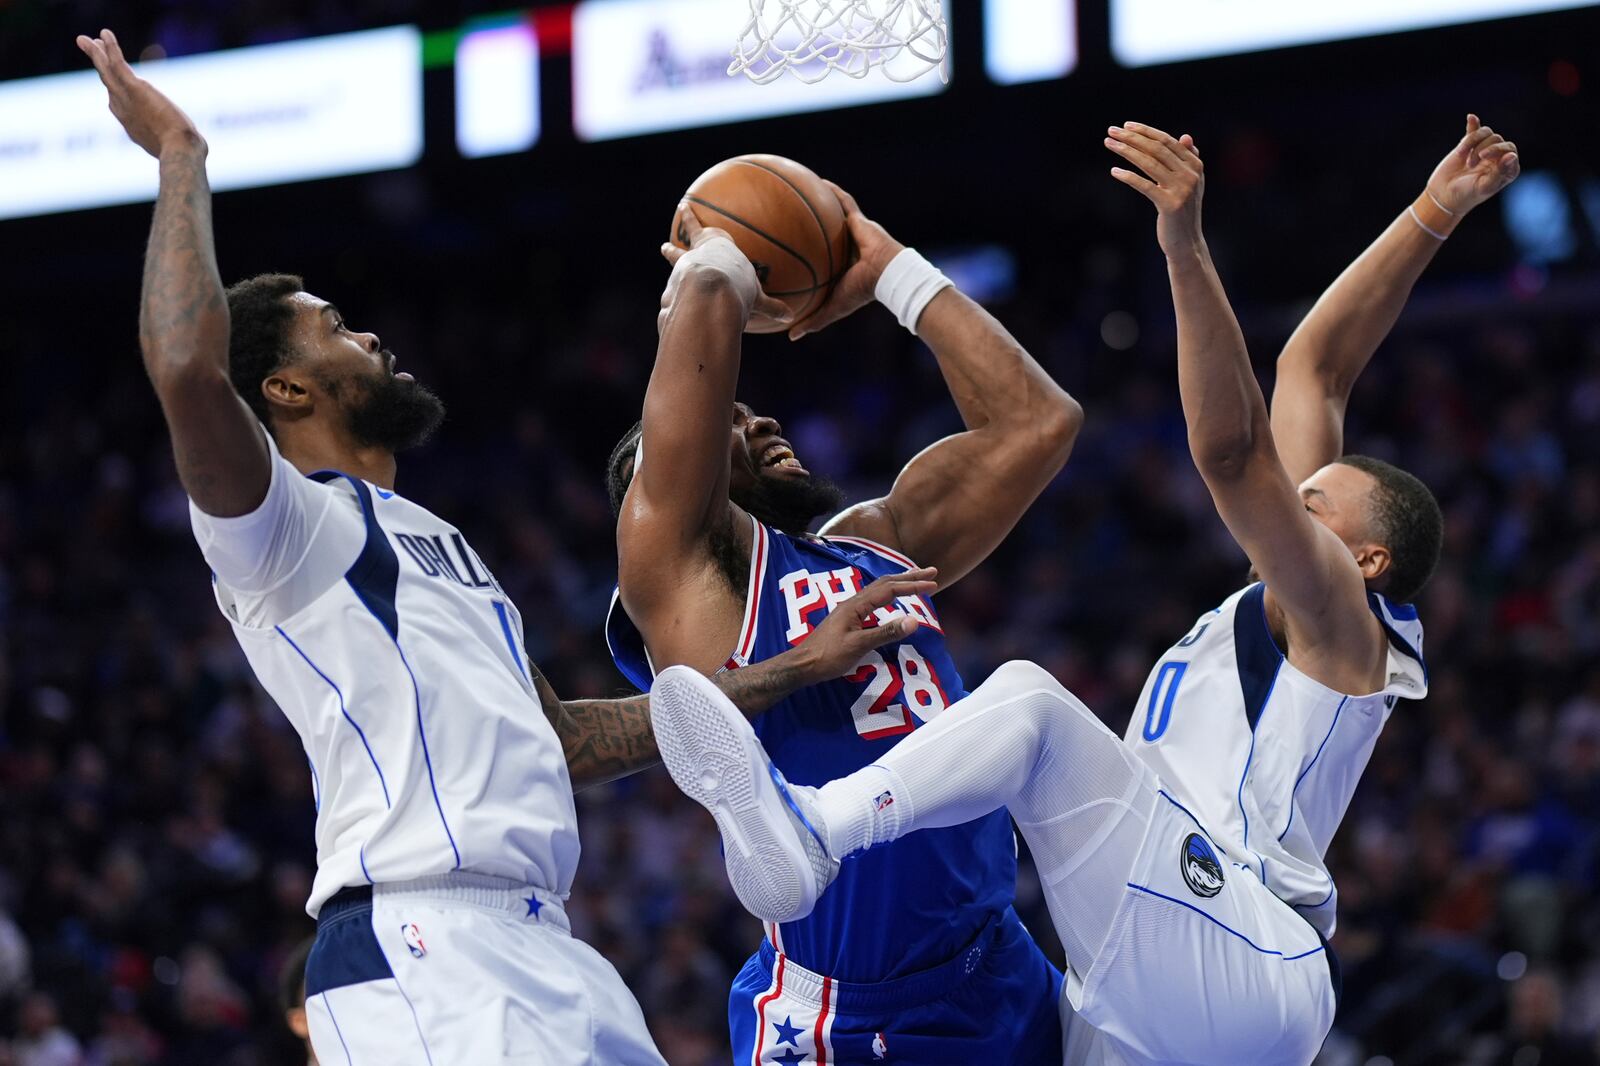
(812,38)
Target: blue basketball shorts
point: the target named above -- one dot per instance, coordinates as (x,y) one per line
(995,1003)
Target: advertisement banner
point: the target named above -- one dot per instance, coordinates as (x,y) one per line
(1029,40)
(643,66)
(1163,31)
(271,114)
(497,90)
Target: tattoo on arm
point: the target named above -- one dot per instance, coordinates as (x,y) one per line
(601,739)
(182,304)
(755,688)
(607,739)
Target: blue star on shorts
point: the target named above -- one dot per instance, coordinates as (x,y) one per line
(787,1031)
(790,1057)
(533,906)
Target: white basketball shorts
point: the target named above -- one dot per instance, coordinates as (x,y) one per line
(1203,963)
(464,969)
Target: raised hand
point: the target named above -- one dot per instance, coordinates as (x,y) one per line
(1480,165)
(857,286)
(1173,179)
(768,314)
(154,122)
(849,631)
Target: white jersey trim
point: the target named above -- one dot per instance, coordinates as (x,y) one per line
(877,549)
(752,597)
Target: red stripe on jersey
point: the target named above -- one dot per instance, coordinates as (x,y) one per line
(881,549)
(752,596)
(822,1017)
(761,1013)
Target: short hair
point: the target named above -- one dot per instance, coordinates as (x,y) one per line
(292,976)
(259,316)
(1408,522)
(619,468)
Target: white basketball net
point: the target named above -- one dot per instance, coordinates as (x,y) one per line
(812,38)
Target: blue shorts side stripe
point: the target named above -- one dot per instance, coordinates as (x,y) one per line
(346,952)
(1221,925)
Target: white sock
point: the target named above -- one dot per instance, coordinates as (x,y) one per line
(868,807)
(1080,796)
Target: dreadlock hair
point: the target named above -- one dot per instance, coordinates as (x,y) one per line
(619,468)
(1409,523)
(259,316)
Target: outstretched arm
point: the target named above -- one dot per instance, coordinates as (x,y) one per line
(1311,574)
(679,494)
(607,739)
(1328,351)
(219,445)
(957,499)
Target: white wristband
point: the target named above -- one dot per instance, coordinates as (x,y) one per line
(725,256)
(907,284)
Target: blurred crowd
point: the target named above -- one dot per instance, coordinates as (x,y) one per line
(156,838)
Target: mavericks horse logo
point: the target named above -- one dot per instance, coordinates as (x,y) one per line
(1201,870)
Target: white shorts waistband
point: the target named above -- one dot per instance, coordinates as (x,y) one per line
(497,894)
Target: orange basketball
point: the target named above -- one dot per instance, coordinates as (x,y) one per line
(781,215)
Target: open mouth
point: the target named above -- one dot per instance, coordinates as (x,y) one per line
(781,456)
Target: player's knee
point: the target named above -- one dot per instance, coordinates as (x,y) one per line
(1055,709)
(1022,675)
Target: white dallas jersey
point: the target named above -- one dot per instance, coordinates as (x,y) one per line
(399,660)
(1264,757)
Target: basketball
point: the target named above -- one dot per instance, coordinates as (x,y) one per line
(782,216)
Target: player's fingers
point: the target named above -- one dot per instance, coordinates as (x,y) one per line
(773,309)
(1462,148)
(1168,152)
(835,308)
(1154,170)
(688,226)
(862,229)
(877,636)
(672,253)
(1136,181)
(1498,148)
(846,201)
(113,49)
(1479,138)
(97,57)
(1161,137)
(1128,143)
(885,590)
(1188,142)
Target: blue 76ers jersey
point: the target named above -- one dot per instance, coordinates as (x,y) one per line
(919,901)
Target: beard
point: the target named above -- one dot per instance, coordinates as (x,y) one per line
(790,504)
(392,413)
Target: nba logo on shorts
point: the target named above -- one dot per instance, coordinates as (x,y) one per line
(883,800)
(880,1046)
(1201,870)
(413,939)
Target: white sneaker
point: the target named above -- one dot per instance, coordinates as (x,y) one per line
(778,861)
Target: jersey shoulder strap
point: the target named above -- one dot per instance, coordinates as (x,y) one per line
(626,643)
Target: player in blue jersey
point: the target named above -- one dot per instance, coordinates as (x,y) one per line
(1184,864)
(442,763)
(917,946)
